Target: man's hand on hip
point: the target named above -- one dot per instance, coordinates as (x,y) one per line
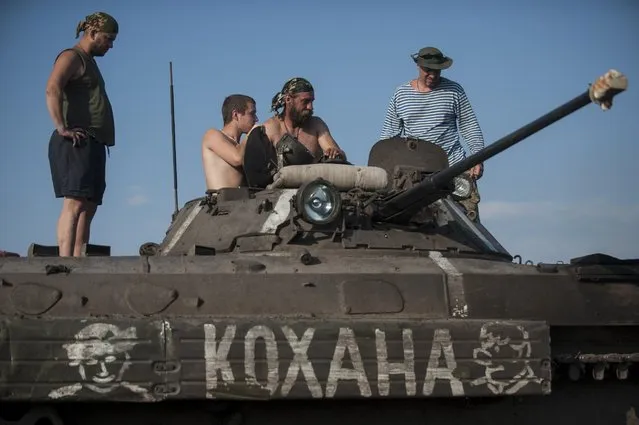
(75,134)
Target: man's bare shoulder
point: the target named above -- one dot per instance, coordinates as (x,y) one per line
(70,56)
(315,120)
(213,130)
(316,123)
(271,123)
(256,127)
(211,135)
(272,127)
(67,66)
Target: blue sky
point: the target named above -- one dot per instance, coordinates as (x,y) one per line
(567,191)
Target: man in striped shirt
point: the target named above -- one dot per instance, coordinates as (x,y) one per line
(429,108)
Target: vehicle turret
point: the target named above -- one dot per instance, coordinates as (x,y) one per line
(406,197)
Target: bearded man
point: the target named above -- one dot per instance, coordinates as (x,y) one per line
(296,120)
(84,129)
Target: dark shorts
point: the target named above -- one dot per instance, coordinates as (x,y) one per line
(80,171)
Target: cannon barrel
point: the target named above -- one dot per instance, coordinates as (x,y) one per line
(437,184)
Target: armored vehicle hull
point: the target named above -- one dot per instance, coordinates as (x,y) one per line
(334,293)
(387,326)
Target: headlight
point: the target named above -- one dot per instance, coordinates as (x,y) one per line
(319,202)
(462,188)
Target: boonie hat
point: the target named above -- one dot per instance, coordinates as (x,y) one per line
(432,57)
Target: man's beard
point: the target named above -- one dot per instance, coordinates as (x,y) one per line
(300,117)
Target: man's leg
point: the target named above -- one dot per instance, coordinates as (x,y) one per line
(95,180)
(66,182)
(78,177)
(83,226)
(67,225)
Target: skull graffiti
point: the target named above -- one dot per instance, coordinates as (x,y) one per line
(500,342)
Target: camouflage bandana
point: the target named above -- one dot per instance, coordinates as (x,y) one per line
(292,86)
(98,21)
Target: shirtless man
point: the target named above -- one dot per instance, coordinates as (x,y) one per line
(222,152)
(296,119)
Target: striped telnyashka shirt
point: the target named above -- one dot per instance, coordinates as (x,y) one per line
(433,117)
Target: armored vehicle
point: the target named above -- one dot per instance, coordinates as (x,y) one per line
(325,292)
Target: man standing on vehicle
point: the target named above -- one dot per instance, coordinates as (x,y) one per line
(429,107)
(84,129)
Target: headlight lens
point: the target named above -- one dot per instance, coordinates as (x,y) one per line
(462,188)
(319,202)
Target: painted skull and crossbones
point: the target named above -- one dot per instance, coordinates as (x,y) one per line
(495,338)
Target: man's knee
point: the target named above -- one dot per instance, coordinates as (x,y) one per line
(76,205)
(90,208)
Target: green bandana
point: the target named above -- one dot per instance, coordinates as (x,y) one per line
(292,86)
(98,21)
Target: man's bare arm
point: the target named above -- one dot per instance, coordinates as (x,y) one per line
(271,130)
(230,153)
(67,66)
(326,141)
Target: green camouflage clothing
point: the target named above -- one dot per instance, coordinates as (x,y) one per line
(98,21)
(292,86)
